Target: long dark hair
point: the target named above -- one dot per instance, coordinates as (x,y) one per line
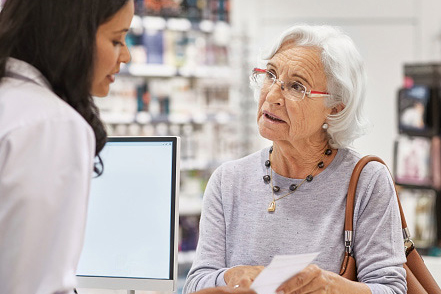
(58,38)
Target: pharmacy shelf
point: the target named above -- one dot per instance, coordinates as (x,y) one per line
(175,24)
(190,205)
(206,72)
(169,71)
(186,256)
(150,70)
(145,118)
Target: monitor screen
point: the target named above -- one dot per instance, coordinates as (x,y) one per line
(130,241)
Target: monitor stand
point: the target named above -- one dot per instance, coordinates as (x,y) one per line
(130,291)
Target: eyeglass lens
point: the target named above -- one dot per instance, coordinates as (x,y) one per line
(292,90)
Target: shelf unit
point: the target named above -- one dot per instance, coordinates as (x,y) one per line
(184,80)
(417,153)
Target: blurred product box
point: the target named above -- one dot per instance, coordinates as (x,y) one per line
(428,74)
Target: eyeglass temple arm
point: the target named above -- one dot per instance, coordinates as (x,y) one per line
(317,93)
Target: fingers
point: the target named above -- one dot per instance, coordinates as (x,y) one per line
(242,283)
(242,275)
(308,280)
(245,282)
(240,280)
(240,290)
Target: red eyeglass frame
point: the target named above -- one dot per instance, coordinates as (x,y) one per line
(309,93)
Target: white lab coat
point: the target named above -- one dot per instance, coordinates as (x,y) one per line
(46,162)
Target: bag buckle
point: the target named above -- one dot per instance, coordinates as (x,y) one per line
(348,241)
(408,246)
(408,243)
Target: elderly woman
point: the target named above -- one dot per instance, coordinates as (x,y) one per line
(290,198)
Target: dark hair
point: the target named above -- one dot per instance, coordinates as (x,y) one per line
(59,39)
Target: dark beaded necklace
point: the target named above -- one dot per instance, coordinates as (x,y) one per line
(268,178)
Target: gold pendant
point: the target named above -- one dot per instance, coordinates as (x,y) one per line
(272,206)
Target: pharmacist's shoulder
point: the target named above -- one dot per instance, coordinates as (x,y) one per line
(27,105)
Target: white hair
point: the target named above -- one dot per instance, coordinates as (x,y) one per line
(345,75)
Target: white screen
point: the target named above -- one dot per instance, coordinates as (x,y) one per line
(128,232)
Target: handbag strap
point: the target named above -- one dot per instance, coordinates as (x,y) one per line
(350,200)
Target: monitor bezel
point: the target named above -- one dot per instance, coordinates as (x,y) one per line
(127,283)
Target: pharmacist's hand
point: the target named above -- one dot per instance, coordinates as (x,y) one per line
(225,290)
(242,275)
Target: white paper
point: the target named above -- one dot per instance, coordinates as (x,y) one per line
(281,268)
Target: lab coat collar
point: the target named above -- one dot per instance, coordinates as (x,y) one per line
(18,68)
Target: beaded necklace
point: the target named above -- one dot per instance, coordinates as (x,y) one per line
(268,179)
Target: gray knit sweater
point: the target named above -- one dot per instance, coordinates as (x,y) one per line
(236,228)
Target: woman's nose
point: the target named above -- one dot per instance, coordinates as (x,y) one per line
(274,94)
(125,56)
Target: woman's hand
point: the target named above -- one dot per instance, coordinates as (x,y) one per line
(242,275)
(313,279)
(225,290)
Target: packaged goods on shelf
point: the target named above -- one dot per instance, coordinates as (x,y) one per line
(188,232)
(428,74)
(418,111)
(121,104)
(413,161)
(417,152)
(194,10)
(178,43)
(419,205)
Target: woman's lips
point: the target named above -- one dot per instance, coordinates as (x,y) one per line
(271,117)
(111,78)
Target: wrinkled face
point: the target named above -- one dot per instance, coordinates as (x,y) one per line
(111,49)
(295,121)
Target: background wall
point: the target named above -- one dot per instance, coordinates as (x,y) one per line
(387,33)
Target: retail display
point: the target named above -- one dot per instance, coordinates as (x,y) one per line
(182,81)
(417,153)
(413,160)
(419,205)
(417,112)
(194,10)
(428,74)
(188,232)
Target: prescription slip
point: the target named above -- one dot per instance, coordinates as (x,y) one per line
(281,268)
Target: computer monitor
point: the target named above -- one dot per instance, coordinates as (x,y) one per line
(132,225)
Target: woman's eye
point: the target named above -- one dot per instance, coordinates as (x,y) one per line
(270,75)
(298,87)
(117,43)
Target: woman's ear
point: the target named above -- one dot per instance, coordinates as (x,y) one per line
(336,109)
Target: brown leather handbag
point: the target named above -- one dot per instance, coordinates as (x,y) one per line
(419,279)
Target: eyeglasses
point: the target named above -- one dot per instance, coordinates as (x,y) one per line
(294,90)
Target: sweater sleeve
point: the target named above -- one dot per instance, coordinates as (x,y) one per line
(378,240)
(209,265)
